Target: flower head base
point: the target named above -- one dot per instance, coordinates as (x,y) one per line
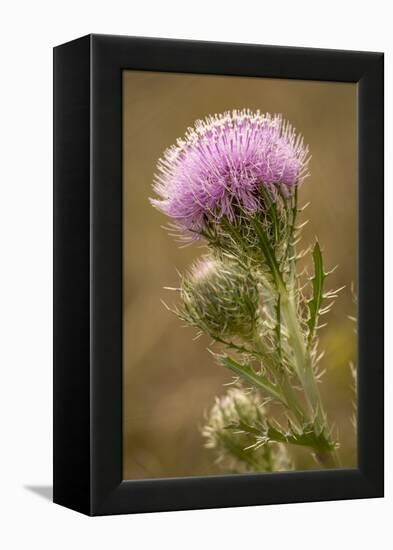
(219,166)
(234,447)
(220,298)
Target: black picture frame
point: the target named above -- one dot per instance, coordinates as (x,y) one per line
(88,274)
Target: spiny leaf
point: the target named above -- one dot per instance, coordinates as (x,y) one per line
(292,211)
(237,451)
(304,437)
(270,211)
(248,374)
(268,252)
(277,327)
(314,305)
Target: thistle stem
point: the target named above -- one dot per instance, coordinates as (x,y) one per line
(304,370)
(281,380)
(302,359)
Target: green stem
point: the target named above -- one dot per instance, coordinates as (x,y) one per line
(305,372)
(281,379)
(293,404)
(302,359)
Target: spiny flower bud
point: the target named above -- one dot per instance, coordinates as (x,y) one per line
(235,448)
(220,298)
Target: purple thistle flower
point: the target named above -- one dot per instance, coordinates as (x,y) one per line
(220,163)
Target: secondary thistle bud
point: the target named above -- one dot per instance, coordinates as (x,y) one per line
(220,298)
(226,434)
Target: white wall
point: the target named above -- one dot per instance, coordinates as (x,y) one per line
(28,32)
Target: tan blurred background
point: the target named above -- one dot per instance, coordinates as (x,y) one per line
(169,378)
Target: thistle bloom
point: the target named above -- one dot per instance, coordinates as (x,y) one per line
(220,298)
(220,164)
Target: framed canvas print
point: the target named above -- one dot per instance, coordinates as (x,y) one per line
(218,275)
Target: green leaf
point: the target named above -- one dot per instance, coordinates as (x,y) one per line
(314,305)
(304,437)
(268,252)
(293,209)
(270,212)
(248,374)
(277,327)
(244,455)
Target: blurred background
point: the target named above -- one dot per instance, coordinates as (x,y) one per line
(170,380)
